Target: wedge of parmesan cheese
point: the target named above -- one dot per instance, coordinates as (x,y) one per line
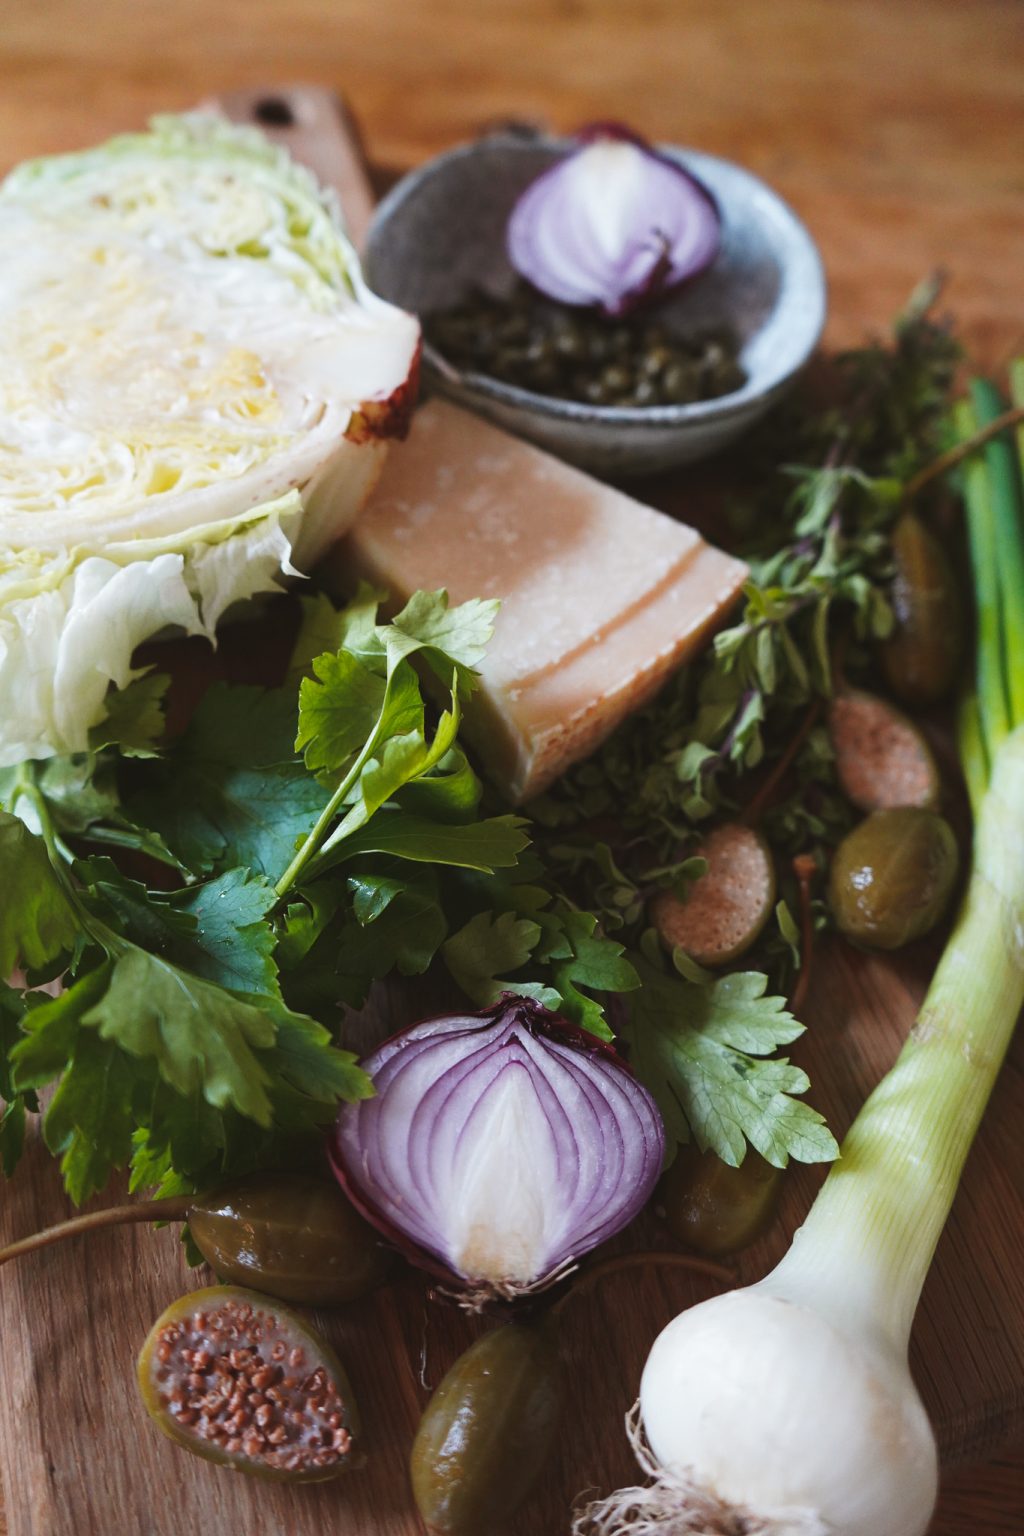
(601,597)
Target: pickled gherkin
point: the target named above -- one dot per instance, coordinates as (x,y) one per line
(291,1235)
(487,1431)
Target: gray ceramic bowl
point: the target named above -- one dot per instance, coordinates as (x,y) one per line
(441,232)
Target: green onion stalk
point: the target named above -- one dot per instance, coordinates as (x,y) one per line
(788,1407)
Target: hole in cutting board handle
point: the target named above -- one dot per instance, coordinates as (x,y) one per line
(274,112)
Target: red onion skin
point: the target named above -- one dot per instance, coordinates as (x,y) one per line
(556,1025)
(611,128)
(542,1021)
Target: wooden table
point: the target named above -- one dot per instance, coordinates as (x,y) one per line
(895,131)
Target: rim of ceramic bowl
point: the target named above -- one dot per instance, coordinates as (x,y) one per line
(794,323)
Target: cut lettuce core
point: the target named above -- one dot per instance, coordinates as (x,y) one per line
(189,362)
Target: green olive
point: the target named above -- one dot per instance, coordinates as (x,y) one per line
(487,1431)
(922,656)
(892,877)
(714,1208)
(291,1235)
(236,1378)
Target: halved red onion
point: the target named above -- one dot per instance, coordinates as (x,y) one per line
(612,224)
(500,1147)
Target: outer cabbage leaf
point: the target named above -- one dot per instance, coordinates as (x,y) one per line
(195,389)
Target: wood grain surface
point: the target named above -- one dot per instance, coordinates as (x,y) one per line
(895,132)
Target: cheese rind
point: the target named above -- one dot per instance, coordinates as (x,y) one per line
(602,597)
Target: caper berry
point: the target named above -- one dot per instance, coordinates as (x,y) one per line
(882,759)
(724,911)
(543,375)
(568,341)
(680,382)
(728,378)
(655,361)
(615,378)
(715,1208)
(892,877)
(576,354)
(487,1430)
(289,1235)
(206,1357)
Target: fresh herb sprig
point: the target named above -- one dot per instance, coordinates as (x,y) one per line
(822,487)
(316,837)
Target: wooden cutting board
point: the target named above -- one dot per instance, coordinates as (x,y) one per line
(78,1456)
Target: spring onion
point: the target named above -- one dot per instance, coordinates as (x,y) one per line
(788,1407)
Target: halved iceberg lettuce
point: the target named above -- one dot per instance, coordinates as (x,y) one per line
(196,388)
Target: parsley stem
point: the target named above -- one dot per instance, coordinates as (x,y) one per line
(61,857)
(167,1209)
(312,842)
(59,854)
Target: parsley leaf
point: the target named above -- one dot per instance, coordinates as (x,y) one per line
(52,1028)
(591,961)
(37,919)
(450,637)
(339,707)
(233,943)
(80,793)
(700,1050)
(303,1056)
(386,925)
(485,845)
(231,791)
(14,1104)
(483,954)
(558,947)
(187,1055)
(200,1035)
(89,1122)
(135,717)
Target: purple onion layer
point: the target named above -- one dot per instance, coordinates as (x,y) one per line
(613,224)
(500,1147)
